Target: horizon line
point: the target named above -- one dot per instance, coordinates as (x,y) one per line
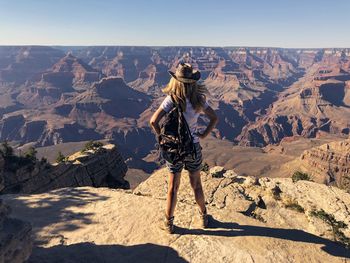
(128,45)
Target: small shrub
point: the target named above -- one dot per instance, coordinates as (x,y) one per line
(335,225)
(293,205)
(92,145)
(297,176)
(30,154)
(60,157)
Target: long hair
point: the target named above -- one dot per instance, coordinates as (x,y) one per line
(196,93)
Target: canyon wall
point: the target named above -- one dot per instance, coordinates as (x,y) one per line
(329,163)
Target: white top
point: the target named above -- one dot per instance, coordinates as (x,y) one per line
(190,114)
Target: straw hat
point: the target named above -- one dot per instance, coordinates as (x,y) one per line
(185,73)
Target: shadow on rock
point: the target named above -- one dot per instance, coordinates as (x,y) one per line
(58,205)
(231,229)
(92,253)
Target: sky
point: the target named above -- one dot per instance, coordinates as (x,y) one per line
(272,23)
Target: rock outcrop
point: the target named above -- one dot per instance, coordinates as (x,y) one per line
(15,235)
(103,167)
(269,200)
(265,220)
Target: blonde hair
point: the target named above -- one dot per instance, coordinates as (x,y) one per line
(196,93)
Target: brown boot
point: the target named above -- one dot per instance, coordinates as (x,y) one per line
(204,217)
(169,224)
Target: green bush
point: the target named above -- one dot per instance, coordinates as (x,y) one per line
(335,225)
(92,145)
(295,206)
(297,176)
(31,154)
(60,157)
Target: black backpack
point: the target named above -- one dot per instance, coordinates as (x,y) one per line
(175,140)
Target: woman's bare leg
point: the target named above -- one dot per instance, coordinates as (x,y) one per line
(195,179)
(173,187)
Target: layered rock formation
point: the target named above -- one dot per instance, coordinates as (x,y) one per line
(265,220)
(328,164)
(103,167)
(305,109)
(74,70)
(68,74)
(15,235)
(112,97)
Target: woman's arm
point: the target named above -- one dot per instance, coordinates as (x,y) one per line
(213,120)
(156,117)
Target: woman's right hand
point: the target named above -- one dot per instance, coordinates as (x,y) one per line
(213,120)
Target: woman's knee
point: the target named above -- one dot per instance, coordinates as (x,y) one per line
(196,183)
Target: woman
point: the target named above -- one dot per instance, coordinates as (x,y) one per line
(190,96)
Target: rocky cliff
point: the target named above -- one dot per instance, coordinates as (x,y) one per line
(15,235)
(252,220)
(328,163)
(102,167)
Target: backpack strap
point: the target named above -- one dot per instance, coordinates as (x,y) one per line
(174,102)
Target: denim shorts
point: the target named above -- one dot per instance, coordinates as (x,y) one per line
(191,165)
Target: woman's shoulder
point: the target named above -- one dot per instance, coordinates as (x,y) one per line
(167,103)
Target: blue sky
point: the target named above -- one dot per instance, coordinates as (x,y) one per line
(277,23)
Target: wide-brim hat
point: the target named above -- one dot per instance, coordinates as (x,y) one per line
(185,73)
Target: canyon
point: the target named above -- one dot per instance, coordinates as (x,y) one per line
(272,103)
(263,96)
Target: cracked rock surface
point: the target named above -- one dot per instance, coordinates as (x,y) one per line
(250,222)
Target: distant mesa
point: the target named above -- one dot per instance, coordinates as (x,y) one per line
(72,69)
